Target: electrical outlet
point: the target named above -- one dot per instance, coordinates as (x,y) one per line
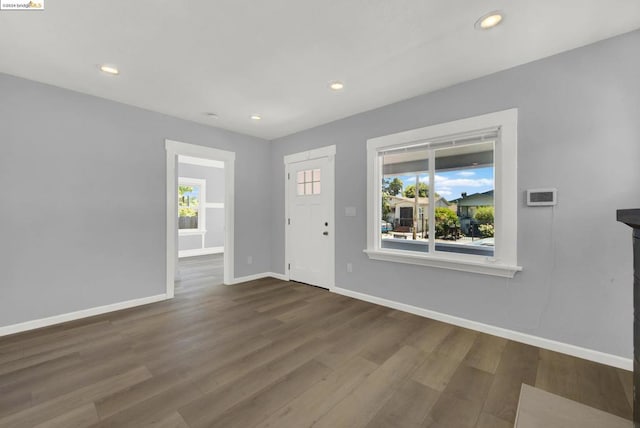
(349,267)
(249,260)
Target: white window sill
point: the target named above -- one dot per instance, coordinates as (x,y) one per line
(187,232)
(485,267)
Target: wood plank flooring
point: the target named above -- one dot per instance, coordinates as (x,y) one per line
(274,354)
(201,269)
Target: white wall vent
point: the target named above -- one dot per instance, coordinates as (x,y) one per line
(542,197)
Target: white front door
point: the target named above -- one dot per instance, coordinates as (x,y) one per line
(310,240)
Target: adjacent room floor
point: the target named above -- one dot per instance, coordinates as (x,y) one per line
(269,353)
(201,270)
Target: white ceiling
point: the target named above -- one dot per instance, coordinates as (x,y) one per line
(275,58)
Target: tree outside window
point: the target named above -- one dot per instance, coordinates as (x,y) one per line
(188,206)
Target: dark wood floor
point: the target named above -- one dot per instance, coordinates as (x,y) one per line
(275,354)
(207,269)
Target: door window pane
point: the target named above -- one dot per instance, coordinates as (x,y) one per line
(308,182)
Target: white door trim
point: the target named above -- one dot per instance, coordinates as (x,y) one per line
(328,152)
(322,152)
(175,149)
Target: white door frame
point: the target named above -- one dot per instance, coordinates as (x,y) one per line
(175,148)
(328,152)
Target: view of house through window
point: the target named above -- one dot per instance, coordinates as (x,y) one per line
(459,203)
(188,206)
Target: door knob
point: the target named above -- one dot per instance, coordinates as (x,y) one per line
(325,233)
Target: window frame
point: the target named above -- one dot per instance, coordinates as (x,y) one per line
(304,183)
(504,261)
(202,183)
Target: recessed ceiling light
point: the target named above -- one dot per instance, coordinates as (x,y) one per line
(109,69)
(489,20)
(256,117)
(211,115)
(336,85)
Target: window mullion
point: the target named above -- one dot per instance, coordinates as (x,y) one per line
(432,205)
(378,174)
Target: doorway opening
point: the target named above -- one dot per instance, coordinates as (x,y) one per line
(201,194)
(200,202)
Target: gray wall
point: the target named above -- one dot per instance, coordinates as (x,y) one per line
(189,242)
(214,177)
(215,229)
(214,237)
(66,160)
(579,131)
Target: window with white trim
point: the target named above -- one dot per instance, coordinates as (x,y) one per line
(445,195)
(191,201)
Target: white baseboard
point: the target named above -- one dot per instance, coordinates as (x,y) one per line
(540,342)
(279,276)
(247,278)
(200,252)
(259,276)
(72,316)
